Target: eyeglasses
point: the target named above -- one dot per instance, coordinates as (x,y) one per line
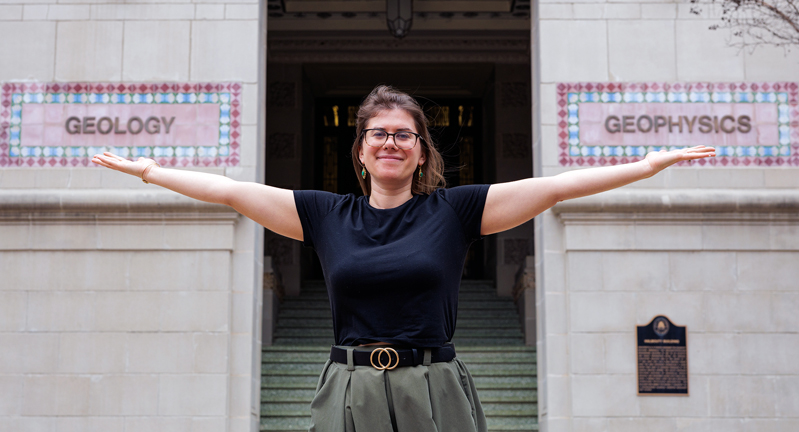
(403,140)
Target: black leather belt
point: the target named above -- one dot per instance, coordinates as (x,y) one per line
(387,357)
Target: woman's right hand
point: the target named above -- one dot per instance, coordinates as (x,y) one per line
(134,168)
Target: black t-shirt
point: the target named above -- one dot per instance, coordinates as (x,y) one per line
(393,274)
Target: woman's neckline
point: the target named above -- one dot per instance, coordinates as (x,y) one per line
(366,199)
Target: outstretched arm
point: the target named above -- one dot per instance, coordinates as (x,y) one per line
(271,207)
(511,204)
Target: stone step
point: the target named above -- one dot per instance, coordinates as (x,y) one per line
(324,313)
(289,381)
(495,424)
(468,332)
(324,304)
(327,322)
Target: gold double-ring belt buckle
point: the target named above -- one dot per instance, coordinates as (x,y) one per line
(380,365)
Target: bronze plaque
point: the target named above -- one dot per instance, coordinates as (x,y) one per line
(662,359)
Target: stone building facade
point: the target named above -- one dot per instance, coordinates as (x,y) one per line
(126,307)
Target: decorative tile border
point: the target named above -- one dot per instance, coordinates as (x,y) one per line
(781,148)
(223,152)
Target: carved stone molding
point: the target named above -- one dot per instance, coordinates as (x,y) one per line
(325,48)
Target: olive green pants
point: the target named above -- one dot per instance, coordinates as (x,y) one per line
(440,397)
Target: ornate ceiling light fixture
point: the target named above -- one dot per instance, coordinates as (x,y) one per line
(399,17)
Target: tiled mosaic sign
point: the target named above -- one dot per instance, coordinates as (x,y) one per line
(65,124)
(750,124)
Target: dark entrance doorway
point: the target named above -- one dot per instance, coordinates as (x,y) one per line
(456,125)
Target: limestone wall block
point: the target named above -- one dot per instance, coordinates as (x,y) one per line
(620,351)
(143,11)
(587,353)
(703,54)
(713,354)
(604,395)
(60,311)
(159,352)
(240,393)
(682,308)
(160,423)
(573,51)
(195,311)
(91,353)
(635,271)
(241,11)
(586,271)
(128,395)
(786,389)
(57,236)
(249,102)
(10,400)
(34,12)
(89,51)
(186,237)
(57,12)
(784,306)
(666,236)
(602,311)
(242,313)
(28,352)
(128,311)
(658,11)
(727,178)
(33,424)
(554,279)
(195,270)
(599,237)
(767,63)
(13,313)
(742,396)
(559,396)
(781,178)
(703,271)
(557,321)
(133,236)
(156,51)
(211,352)
(550,152)
(636,58)
(21,39)
(589,424)
(768,271)
(240,349)
(769,353)
(224,51)
(637,424)
(736,237)
(193,395)
(90,424)
(208,424)
(56,395)
(558,354)
(10,12)
(552,11)
(209,12)
(731,312)
(694,405)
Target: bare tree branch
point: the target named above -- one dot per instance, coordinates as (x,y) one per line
(756,22)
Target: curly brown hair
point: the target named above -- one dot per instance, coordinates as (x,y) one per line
(384,98)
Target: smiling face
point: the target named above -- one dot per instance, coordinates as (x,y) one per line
(390,167)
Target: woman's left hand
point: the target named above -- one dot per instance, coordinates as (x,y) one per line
(663,159)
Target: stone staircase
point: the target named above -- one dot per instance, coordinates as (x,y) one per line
(488,339)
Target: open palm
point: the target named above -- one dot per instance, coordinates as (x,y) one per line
(663,159)
(110,160)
